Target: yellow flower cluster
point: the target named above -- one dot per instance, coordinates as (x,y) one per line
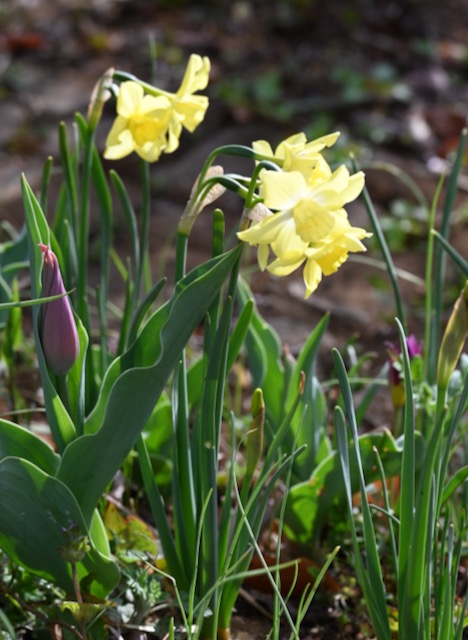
(310,225)
(150,122)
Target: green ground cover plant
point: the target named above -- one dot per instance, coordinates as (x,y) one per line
(157,410)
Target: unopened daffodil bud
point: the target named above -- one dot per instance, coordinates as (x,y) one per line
(201,198)
(454,338)
(59,335)
(254,444)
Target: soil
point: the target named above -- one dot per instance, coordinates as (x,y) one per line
(392,77)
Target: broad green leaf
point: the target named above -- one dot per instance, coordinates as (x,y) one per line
(20,442)
(310,504)
(35,508)
(90,462)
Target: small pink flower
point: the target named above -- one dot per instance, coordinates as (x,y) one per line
(59,336)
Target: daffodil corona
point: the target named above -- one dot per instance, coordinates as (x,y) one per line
(149,120)
(310,226)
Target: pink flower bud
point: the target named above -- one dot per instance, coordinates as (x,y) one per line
(59,336)
(395,379)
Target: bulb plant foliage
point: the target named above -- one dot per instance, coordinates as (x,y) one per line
(146,405)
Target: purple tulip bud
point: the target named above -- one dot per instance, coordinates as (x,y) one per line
(59,336)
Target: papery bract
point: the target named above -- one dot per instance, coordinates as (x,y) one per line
(58,332)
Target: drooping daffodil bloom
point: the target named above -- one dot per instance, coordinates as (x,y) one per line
(149,120)
(188,110)
(296,154)
(311,225)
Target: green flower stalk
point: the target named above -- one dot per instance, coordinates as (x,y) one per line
(59,335)
(453,340)
(255,436)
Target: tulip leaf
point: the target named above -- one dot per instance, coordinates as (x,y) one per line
(90,462)
(311,504)
(36,508)
(22,443)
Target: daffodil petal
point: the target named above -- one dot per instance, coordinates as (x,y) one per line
(119,142)
(312,277)
(262,256)
(313,222)
(280,268)
(262,148)
(154,106)
(130,96)
(281,190)
(340,189)
(266,231)
(196,75)
(150,151)
(190,110)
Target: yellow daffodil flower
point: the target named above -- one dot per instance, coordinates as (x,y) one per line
(311,225)
(149,120)
(188,110)
(296,154)
(141,124)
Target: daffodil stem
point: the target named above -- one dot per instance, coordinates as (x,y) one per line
(84,231)
(79,598)
(143,270)
(392,274)
(429,316)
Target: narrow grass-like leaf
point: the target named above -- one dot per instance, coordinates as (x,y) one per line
(452,485)
(369,574)
(389,510)
(45,181)
(129,215)
(453,253)
(407,483)
(176,569)
(439,257)
(183,490)
(387,256)
(264,357)
(377,601)
(69,174)
(6,624)
(307,598)
(239,332)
